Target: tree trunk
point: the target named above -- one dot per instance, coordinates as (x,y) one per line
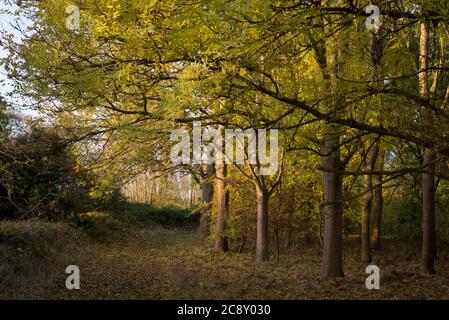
(221,243)
(378,204)
(367,199)
(428,196)
(365,221)
(376,58)
(429,157)
(207,192)
(262,224)
(331,264)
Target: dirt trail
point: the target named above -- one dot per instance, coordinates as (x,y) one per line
(169,265)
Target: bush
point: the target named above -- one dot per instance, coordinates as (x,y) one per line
(34,251)
(39,176)
(145,215)
(97,225)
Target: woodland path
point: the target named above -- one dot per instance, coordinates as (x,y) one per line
(170,265)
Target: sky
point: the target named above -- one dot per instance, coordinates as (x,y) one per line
(5,24)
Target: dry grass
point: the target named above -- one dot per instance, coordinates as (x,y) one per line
(32,254)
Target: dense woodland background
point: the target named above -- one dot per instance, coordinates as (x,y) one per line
(362,115)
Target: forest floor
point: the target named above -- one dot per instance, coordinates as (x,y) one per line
(168,264)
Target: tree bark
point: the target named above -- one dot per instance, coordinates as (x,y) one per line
(262,224)
(221,243)
(331,264)
(429,157)
(367,200)
(378,203)
(376,58)
(429,232)
(207,192)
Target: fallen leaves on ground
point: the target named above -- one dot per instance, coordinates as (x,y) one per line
(163,264)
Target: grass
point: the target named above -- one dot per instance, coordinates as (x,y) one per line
(32,253)
(119,223)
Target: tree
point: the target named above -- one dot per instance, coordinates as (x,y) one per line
(429,158)
(207,192)
(222,194)
(137,70)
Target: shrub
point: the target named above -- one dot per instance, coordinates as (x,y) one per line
(97,225)
(39,176)
(34,251)
(146,215)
